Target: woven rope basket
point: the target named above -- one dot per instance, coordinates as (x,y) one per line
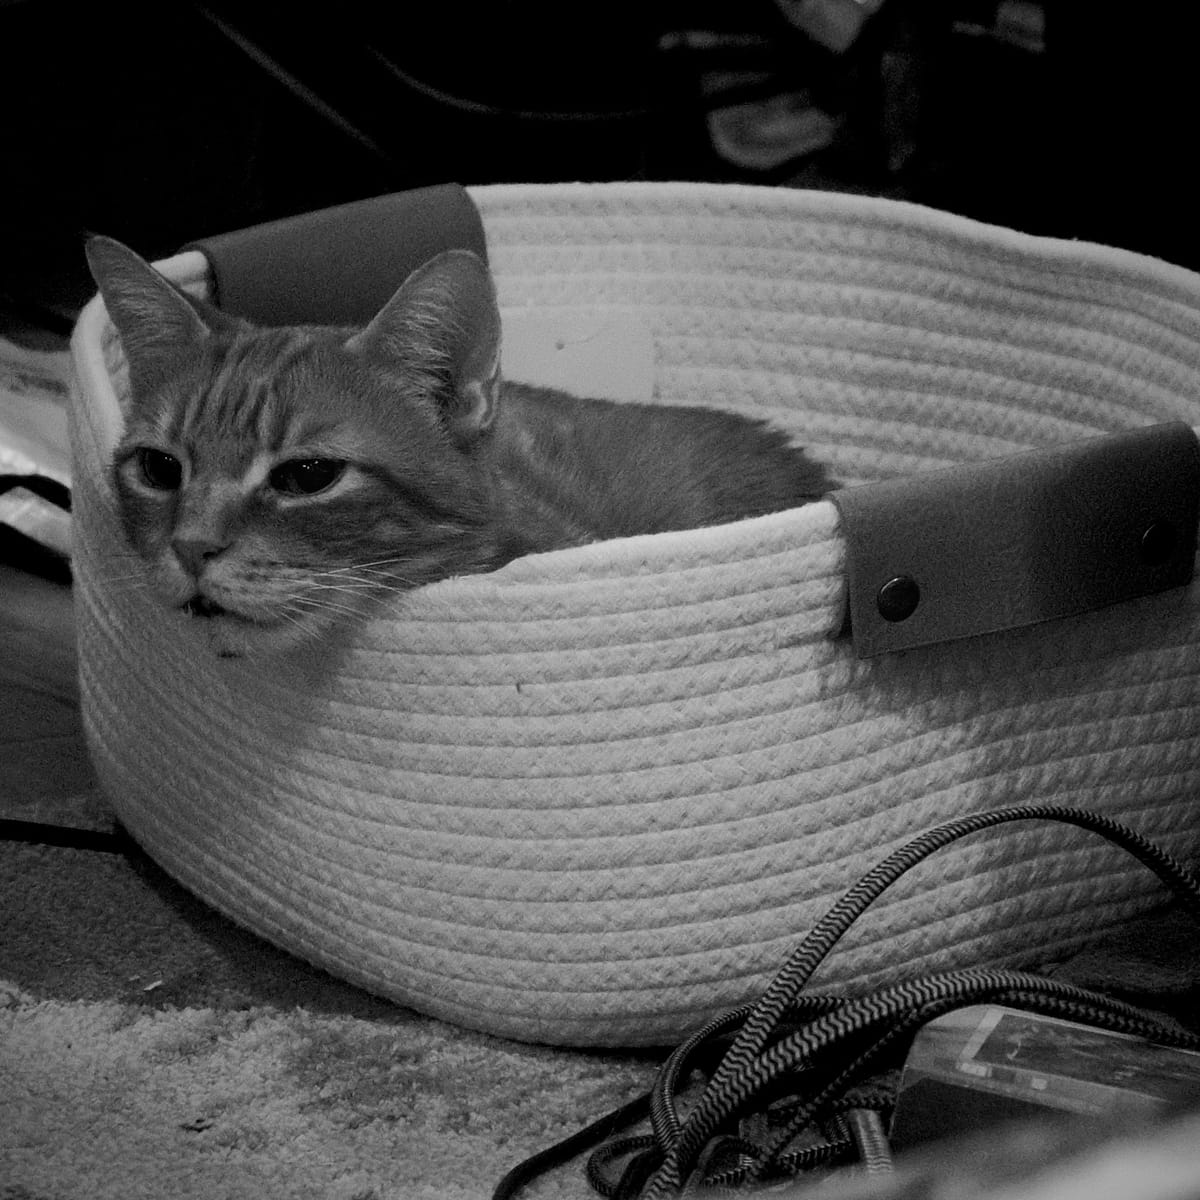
(595,797)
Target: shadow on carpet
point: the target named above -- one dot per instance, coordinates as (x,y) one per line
(148,1048)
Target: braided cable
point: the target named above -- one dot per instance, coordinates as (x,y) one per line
(866,1127)
(797,1046)
(664,1115)
(894,1012)
(664,1119)
(726,1090)
(914,1003)
(833,925)
(601,1163)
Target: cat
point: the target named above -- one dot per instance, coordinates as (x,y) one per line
(274,480)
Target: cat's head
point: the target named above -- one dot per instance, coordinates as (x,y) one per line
(273,481)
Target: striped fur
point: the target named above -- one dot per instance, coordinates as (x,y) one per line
(440,470)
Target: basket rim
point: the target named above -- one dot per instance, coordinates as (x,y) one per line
(614,557)
(796,528)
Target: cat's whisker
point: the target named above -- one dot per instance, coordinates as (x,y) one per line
(129,583)
(129,578)
(353,585)
(314,603)
(382,587)
(139,574)
(359,590)
(324,602)
(321,579)
(378,565)
(391,582)
(295,620)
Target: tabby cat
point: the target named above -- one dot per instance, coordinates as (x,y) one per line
(274,480)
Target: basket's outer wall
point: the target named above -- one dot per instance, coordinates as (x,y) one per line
(597,796)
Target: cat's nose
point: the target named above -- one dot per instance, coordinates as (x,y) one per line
(195,551)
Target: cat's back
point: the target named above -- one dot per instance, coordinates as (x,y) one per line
(622,468)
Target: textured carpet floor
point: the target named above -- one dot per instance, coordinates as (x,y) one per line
(150,1049)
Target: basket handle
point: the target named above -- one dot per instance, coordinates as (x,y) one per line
(982,547)
(338,266)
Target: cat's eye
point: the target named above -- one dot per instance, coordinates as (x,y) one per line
(158,469)
(306,476)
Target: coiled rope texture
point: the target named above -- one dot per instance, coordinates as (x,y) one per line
(820,1049)
(589,799)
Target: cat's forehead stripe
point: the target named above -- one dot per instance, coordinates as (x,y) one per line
(243,396)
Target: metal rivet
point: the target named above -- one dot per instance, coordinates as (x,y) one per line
(898,598)
(1158,543)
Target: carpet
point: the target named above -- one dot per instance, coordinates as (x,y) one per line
(150,1049)
(125,1099)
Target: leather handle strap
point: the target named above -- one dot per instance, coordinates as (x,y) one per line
(988,546)
(338,266)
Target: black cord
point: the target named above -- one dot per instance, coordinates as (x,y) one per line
(546,1160)
(41,486)
(727,1089)
(478,108)
(898,1012)
(298,88)
(819,1052)
(42,833)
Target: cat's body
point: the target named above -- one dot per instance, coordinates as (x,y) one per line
(579,470)
(275,479)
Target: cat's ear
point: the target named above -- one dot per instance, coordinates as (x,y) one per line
(153,317)
(444,324)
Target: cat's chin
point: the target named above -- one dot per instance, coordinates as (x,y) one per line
(231,637)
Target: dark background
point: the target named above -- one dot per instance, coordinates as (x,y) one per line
(160,124)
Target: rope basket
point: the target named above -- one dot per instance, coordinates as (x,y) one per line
(595,797)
